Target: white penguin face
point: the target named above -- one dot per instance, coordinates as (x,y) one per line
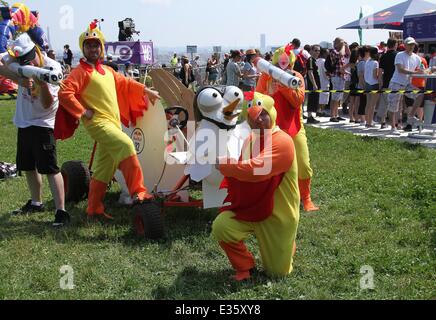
(209,101)
(232,105)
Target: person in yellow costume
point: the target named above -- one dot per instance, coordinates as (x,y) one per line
(103,99)
(266,204)
(288,103)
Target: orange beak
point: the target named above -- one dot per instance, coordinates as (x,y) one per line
(254,112)
(228,111)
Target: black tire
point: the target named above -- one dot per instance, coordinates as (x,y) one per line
(76,180)
(148,221)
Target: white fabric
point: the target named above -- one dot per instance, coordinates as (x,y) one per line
(30,112)
(410,63)
(370,66)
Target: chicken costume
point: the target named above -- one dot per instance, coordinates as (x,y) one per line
(267,204)
(288,103)
(113,99)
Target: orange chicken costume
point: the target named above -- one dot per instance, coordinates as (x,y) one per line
(113,99)
(288,103)
(266,204)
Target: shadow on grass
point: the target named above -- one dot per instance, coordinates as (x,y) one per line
(192,284)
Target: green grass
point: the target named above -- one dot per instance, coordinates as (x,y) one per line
(378,209)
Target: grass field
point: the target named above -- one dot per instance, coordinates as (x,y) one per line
(378,202)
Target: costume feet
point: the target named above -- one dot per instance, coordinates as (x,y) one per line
(309,206)
(242,276)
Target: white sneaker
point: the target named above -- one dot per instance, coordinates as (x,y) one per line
(395,132)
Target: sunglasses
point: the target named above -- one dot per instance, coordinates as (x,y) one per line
(27,58)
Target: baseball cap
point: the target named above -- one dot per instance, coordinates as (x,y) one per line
(23,49)
(410,40)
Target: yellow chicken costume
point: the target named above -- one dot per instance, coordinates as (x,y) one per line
(267,205)
(113,99)
(288,103)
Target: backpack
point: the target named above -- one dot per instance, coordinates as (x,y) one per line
(300,64)
(329,65)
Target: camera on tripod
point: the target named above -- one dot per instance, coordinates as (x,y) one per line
(127,30)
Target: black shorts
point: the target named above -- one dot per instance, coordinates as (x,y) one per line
(36,150)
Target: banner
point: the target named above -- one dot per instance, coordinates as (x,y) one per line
(421,27)
(140,53)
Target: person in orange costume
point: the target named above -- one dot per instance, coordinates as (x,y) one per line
(103,99)
(288,103)
(263,195)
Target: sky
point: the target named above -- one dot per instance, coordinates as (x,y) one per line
(230,23)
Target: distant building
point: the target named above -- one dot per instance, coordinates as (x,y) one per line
(263,42)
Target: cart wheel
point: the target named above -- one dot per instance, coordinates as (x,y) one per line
(76,180)
(148,222)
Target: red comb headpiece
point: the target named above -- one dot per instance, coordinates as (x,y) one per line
(249,96)
(93,25)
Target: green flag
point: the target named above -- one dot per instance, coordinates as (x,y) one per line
(360,29)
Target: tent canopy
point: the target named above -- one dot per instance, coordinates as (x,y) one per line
(392,18)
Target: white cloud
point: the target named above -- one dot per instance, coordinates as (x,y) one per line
(165,3)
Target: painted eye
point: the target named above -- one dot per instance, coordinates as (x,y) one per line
(233,93)
(209,99)
(259,103)
(87,34)
(94,34)
(250,104)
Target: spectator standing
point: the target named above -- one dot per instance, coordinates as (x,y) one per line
(419,83)
(212,73)
(364,56)
(325,82)
(68,55)
(249,72)
(37,104)
(186,72)
(406,63)
(338,66)
(354,83)
(197,70)
(234,74)
(313,83)
(387,69)
(174,60)
(372,83)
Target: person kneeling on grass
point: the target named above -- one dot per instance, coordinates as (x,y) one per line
(37,103)
(267,203)
(103,99)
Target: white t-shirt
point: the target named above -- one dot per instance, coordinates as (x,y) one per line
(322,70)
(410,63)
(30,112)
(370,66)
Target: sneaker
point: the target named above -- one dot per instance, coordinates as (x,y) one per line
(395,132)
(408,128)
(341,119)
(62,218)
(29,208)
(334,120)
(312,120)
